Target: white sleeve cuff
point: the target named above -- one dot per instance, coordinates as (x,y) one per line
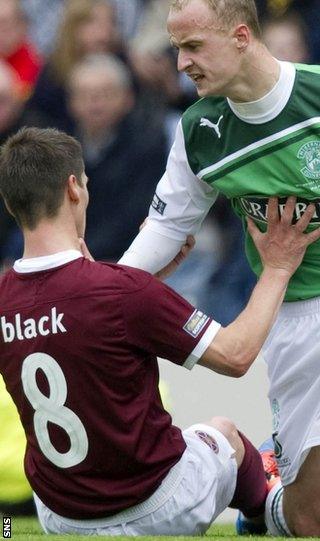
(202,345)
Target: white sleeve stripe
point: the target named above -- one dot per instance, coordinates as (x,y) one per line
(202,345)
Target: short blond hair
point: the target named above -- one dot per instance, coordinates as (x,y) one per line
(66,52)
(230,12)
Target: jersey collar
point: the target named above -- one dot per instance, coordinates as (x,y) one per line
(36,264)
(269,106)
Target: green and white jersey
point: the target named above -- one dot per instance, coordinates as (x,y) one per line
(248,152)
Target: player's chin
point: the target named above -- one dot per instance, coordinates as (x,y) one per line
(204,94)
(203,91)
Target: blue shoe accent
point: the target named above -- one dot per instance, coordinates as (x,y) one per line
(245,526)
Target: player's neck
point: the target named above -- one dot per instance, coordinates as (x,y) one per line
(50,237)
(260,73)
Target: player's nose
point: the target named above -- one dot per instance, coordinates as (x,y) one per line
(184,61)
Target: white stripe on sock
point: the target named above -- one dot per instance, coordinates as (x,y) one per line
(274,517)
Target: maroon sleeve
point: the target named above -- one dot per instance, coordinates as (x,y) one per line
(161,322)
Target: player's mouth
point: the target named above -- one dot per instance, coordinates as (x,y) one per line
(196,77)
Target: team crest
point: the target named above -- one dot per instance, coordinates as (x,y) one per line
(208,440)
(309,154)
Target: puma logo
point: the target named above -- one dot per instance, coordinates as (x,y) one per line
(209,124)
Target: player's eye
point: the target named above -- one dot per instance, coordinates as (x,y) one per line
(192,46)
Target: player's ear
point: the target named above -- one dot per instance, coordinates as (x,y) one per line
(73,189)
(241,36)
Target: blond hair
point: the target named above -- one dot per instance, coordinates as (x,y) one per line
(230,12)
(66,52)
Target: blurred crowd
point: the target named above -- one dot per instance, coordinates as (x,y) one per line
(103,71)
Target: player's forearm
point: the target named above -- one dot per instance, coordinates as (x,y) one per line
(151,251)
(236,346)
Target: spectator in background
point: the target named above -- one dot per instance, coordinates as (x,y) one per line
(129,13)
(154,64)
(307,9)
(13,115)
(124,155)
(149,45)
(88,26)
(15,48)
(11,104)
(10,110)
(44,17)
(286,37)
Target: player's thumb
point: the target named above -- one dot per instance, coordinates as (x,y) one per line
(252,228)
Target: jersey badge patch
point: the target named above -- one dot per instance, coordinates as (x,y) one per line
(309,154)
(158,204)
(208,440)
(195,323)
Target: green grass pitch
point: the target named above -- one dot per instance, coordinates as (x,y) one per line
(27,529)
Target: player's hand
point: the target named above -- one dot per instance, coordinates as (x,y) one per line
(284,244)
(85,251)
(144,223)
(181,256)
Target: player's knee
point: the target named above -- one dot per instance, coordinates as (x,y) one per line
(228,429)
(302,515)
(305,523)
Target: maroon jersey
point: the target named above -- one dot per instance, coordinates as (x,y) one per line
(78,347)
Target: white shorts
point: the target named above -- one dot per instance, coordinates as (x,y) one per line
(292,353)
(196,490)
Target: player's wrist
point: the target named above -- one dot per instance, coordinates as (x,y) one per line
(279,273)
